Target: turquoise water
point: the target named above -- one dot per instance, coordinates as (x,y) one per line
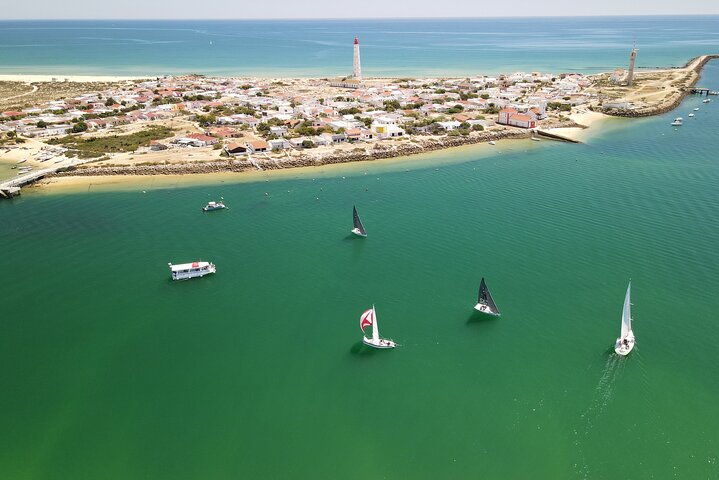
(394,47)
(110,370)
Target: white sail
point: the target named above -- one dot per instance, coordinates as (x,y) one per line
(627,313)
(375,327)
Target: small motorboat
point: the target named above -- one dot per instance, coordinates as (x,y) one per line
(706,100)
(491,142)
(696,109)
(677,122)
(212,206)
(690,115)
(185,271)
(535,139)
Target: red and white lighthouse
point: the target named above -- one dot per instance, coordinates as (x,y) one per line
(356,67)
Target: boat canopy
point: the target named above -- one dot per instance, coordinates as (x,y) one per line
(187,266)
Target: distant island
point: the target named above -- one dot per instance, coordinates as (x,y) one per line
(197,124)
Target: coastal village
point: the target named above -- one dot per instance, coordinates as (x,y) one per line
(196,124)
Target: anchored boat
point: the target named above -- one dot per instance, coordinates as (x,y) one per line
(358,227)
(184,271)
(369,318)
(625,342)
(485,302)
(677,122)
(211,206)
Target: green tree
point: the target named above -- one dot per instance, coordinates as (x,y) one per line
(110,102)
(307,144)
(79,127)
(41,124)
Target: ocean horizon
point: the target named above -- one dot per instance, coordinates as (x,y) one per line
(317,48)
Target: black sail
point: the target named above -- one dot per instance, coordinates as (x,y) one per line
(486,298)
(357,221)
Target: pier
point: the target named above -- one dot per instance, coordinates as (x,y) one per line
(555,136)
(11,188)
(699,91)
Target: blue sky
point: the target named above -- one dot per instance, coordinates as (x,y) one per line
(232,9)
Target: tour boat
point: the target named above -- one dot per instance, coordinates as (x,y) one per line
(359,228)
(625,342)
(485,302)
(690,115)
(677,122)
(213,206)
(183,271)
(369,318)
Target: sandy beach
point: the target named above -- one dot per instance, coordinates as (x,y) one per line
(32,78)
(436,159)
(590,121)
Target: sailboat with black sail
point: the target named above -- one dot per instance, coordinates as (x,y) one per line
(485,302)
(358,227)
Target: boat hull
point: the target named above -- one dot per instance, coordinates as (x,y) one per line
(381,344)
(480,307)
(182,275)
(357,232)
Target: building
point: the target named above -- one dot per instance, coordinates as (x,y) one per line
(235,149)
(257,146)
(345,83)
(509,116)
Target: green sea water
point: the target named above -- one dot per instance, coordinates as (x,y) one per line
(110,370)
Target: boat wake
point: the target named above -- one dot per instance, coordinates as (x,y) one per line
(602,396)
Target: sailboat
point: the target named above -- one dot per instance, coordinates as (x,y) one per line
(369,318)
(625,342)
(485,302)
(359,228)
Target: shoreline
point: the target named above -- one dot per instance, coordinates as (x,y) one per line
(586,125)
(580,127)
(62,78)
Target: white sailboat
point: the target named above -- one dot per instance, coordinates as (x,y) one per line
(369,318)
(485,302)
(625,342)
(358,227)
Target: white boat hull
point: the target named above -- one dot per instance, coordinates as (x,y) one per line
(357,232)
(624,346)
(480,307)
(193,273)
(381,343)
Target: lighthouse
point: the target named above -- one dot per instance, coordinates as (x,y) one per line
(632,59)
(356,67)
